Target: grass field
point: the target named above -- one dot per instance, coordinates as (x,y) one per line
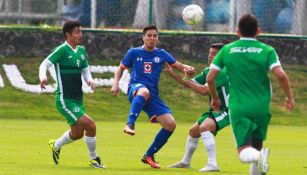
(24,150)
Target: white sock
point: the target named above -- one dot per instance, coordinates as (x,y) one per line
(209,142)
(91,146)
(189,149)
(254,169)
(249,155)
(64,139)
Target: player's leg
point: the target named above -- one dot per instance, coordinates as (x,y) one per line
(257,144)
(191,145)
(168,124)
(89,126)
(138,95)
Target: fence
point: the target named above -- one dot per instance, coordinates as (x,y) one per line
(275,16)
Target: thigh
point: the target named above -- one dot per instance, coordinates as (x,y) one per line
(155,107)
(72,110)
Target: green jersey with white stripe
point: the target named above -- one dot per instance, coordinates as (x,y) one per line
(248,61)
(222,86)
(69,63)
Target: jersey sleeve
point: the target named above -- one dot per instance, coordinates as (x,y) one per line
(221,78)
(218,62)
(168,57)
(273,59)
(201,78)
(127,60)
(55,55)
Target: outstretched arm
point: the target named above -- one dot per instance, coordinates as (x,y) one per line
(117,75)
(43,73)
(184,68)
(285,85)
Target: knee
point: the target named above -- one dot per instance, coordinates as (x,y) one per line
(171,126)
(76,135)
(194,132)
(207,125)
(144,92)
(92,126)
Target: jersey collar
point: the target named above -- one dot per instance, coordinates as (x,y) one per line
(248,39)
(75,50)
(146,50)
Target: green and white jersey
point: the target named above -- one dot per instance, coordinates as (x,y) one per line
(68,64)
(248,61)
(222,86)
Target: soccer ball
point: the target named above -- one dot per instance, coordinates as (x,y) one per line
(192,14)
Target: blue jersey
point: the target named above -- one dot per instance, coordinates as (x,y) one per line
(145,67)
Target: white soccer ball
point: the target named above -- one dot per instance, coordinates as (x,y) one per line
(192,14)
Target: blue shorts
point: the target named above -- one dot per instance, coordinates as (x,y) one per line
(154,105)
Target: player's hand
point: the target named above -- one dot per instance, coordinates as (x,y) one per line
(91,84)
(115,89)
(215,104)
(189,70)
(289,104)
(43,83)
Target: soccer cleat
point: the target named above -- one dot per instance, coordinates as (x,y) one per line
(55,153)
(129,129)
(97,163)
(263,166)
(210,168)
(179,165)
(150,160)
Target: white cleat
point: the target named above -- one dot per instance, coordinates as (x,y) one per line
(210,168)
(263,165)
(179,165)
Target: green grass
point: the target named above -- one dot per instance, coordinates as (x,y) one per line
(185,104)
(24,150)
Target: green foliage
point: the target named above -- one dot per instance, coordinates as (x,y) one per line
(25,150)
(186,105)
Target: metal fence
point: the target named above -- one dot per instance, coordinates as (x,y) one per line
(275,16)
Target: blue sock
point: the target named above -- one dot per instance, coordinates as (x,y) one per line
(160,140)
(136,107)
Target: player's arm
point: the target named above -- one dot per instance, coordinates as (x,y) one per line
(87,76)
(117,76)
(285,85)
(215,103)
(184,68)
(43,72)
(169,70)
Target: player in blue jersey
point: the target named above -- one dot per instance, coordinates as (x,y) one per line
(146,64)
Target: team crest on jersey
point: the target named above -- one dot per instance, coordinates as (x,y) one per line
(156,59)
(148,67)
(76,109)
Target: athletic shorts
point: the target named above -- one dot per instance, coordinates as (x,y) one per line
(221,119)
(71,109)
(246,125)
(154,106)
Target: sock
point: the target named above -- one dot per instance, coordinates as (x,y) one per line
(137,105)
(249,155)
(64,139)
(160,140)
(189,149)
(253,169)
(209,142)
(91,146)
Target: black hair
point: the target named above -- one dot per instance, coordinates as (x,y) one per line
(149,27)
(69,27)
(248,25)
(217,45)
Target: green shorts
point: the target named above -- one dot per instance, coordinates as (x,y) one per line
(221,119)
(71,109)
(246,125)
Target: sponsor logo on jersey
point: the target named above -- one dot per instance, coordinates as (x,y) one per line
(245,50)
(148,67)
(76,109)
(70,56)
(156,59)
(139,59)
(83,57)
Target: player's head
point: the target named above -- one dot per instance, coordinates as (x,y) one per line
(248,26)
(72,31)
(150,37)
(213,50)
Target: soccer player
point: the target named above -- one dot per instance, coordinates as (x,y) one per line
(247,62)
(70,60)
(210,123)
(146,63)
